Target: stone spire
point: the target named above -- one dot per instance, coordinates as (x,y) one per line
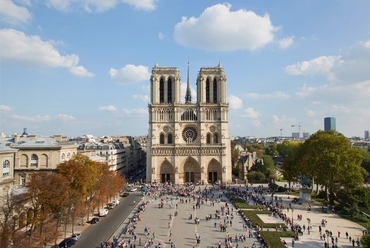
(188,92)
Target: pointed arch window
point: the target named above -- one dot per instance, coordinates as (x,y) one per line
(215,91)
(208,91)
(215,138)
(208,138)
(169,139)
(169,90)
(161,138)
(161,91)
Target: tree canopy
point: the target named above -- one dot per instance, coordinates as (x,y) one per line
(329,158)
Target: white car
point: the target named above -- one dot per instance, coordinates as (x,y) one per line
(133,189)
(115,202)
(103,212)
(76,236)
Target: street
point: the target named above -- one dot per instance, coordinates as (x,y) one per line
(94,234)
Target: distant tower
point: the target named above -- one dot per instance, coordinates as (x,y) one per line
(306,135)
(24,134)
(367,136)
(329,124)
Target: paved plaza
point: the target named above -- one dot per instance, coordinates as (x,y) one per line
(184,231)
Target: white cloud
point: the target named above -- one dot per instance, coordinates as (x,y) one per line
(320,65)
(64,118)
(274,95)
(235,102)
(39,118)
(35,118)
(256,123)
(30,51)
(286,42)
(144,98)
(80,71)
(141,4)
(130,74)
(5,109)
(220,29)
(311,113)
(108,108)
(355,111)
(98,5)
(282,121)
(161,36)
(354,92)
(58,4)
(367,44)
(12,13)
(139,111)
(250,113)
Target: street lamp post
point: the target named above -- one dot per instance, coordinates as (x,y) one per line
(292,216)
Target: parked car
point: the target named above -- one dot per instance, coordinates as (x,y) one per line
(111,205)
(125,194)
(76,236)
(103,212)
(115,202)
(94,220)
(68,242)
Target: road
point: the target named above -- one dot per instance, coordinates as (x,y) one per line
(104,229)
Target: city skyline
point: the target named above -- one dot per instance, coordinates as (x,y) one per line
(83,67)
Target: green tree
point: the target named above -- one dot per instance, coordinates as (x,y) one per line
(290,170)
(287,148)
(255,176)
(271,150)
(265,166)
(366,159)
(365,241)
(329,158)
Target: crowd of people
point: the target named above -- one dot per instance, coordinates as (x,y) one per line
(170,195)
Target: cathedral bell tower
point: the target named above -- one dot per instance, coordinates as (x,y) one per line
(188,142)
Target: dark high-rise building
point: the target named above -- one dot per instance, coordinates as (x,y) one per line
(329,124)
(367,134)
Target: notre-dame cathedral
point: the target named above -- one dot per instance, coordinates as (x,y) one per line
(188,141)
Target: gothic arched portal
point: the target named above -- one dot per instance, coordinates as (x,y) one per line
(191,171)
(166,172)
(214,172)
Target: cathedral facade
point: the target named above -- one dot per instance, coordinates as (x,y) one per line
(188,141)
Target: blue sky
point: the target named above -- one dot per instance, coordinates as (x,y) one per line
(75,67)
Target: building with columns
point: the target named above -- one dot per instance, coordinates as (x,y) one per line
(188,141)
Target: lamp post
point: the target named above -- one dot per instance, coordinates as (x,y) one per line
(292,216)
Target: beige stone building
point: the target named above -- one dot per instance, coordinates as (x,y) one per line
(188,142)
(7,158)
(40,154)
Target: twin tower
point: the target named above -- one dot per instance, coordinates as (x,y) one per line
(188,141)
